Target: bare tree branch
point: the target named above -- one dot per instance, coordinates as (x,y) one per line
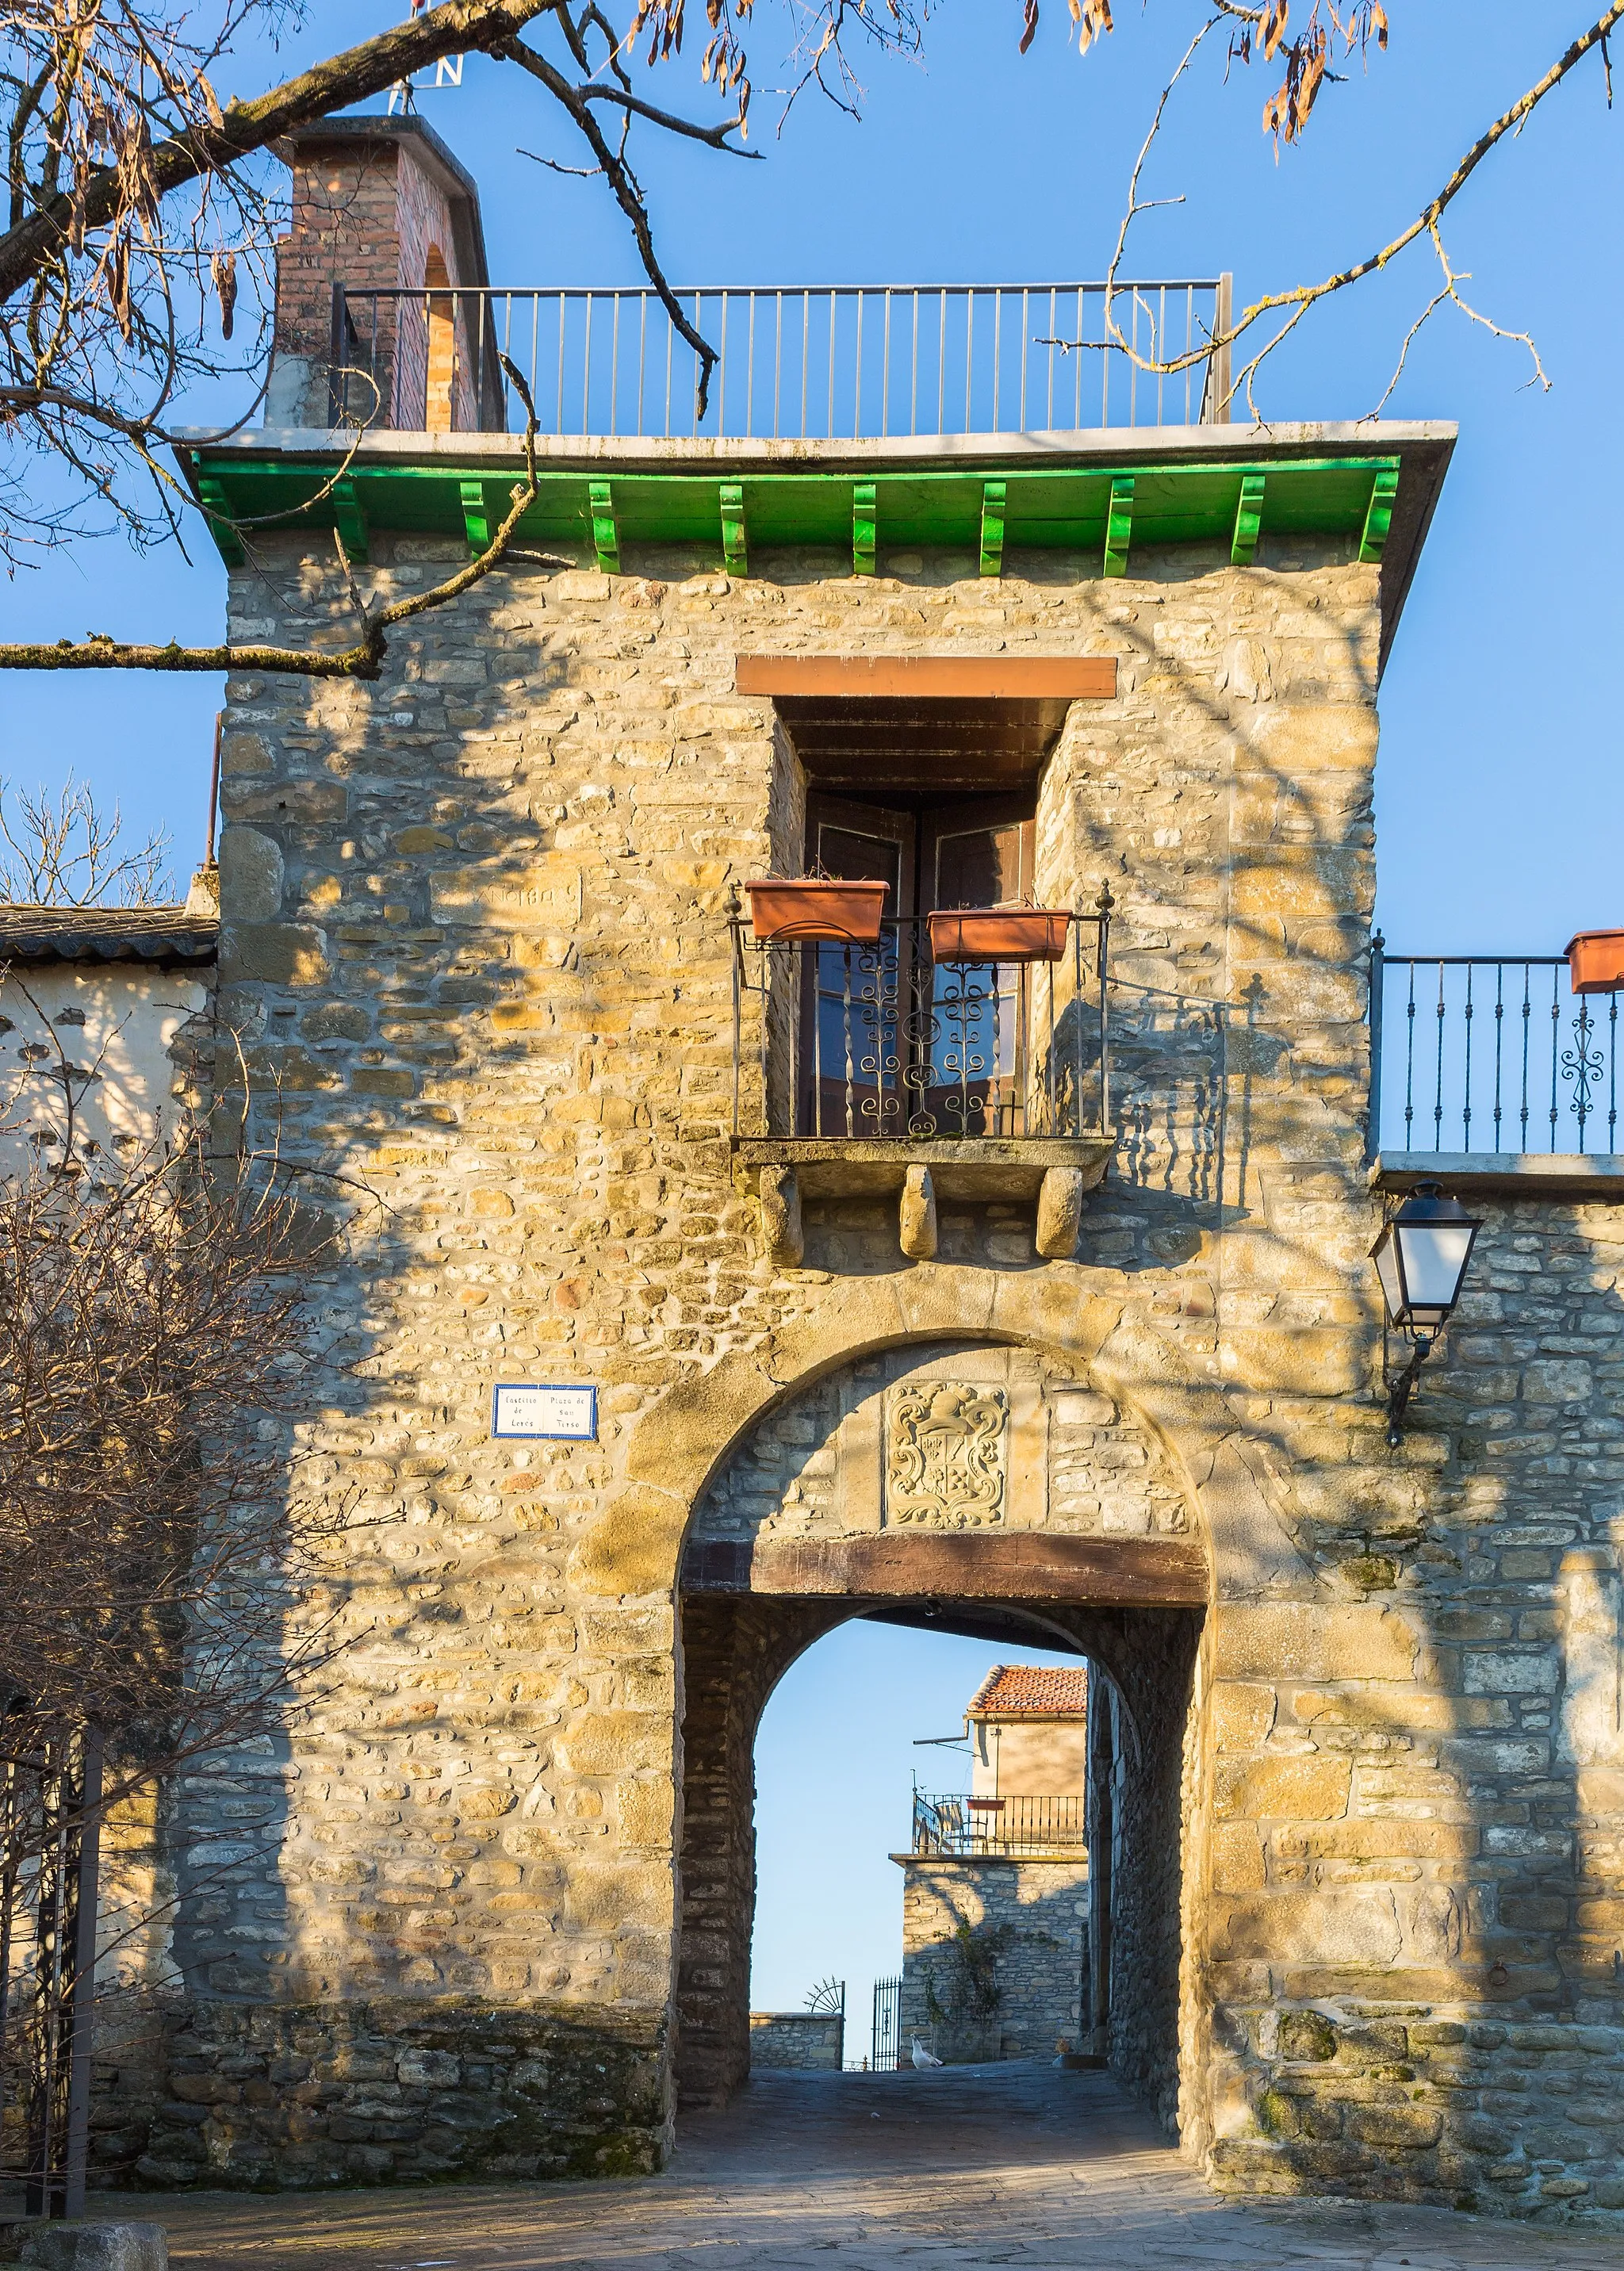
(364,659)
(629,195)
(1296,302)
(452,28)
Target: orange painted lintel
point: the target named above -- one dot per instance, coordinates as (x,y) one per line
(931,677)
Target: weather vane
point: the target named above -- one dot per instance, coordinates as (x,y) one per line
(447,72)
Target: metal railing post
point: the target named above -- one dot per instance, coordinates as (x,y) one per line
(1223,316)
(1373,1129)
(1105,904)
(335,356)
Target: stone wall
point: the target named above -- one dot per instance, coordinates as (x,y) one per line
(801,2042)
(1058,1456)
(476,952)
(734,1654)
(1030,1916)
(1471,1838)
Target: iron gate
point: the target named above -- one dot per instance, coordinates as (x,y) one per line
(886,2036)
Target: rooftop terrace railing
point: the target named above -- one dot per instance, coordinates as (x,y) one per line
(836,362)
(1480,1053)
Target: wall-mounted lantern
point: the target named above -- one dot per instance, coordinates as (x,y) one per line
(1420,1259)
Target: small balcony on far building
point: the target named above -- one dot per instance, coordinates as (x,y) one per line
(954,1828)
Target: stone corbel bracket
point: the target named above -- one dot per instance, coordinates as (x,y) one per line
(779,1194)
(1057,1172)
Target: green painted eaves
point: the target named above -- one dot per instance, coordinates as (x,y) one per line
(1064,507)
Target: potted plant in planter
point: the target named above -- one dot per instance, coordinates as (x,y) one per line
(1596,961)
(827,907)
(998,934)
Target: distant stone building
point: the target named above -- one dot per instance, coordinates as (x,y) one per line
(995,1885)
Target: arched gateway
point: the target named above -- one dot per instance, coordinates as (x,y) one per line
(973,1487)
(1006,1454)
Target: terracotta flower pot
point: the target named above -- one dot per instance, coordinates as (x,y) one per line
(998,935)
(811,907)
(1596,961)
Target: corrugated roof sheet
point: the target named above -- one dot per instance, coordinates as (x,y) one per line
(1037,1691)
(165,936)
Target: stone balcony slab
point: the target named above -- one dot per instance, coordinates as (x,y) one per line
(960,1168)
(1597,1176)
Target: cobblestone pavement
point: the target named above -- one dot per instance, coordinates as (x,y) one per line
(1018,2166)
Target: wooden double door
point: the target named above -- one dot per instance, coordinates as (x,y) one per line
(893,1044)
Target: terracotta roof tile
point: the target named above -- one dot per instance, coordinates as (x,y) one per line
(1034,1691)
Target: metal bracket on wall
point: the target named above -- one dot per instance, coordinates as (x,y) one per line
(1379,519)
(475,518)
(864,528)
(606,535)
(1248,520)
(994,496)
(1120,525)
(350,519)
(736,550)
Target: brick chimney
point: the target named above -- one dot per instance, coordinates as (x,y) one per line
(380,205)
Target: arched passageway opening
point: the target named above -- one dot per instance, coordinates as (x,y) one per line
(440,304)
(1006,1469)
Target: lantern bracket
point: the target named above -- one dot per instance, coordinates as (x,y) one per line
(1401,1385)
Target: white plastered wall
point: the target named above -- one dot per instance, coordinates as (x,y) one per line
(103,1035)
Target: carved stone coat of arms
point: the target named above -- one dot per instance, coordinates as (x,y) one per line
(945,1454)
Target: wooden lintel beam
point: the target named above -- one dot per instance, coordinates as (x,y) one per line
(989,1566)
(1248,520)
(227,543)
(1120,525)
(993,497)
(606,534)
(1379,515)
(475,518)
(735,546)
(929,677)
(864,527)
(350,519)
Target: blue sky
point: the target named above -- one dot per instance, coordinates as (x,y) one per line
(1499,785)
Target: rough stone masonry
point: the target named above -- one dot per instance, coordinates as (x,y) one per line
(1367,1798)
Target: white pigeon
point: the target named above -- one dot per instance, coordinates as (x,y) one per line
(923,2059)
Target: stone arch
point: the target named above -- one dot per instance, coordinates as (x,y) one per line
(441,317)
(1083,1315)
(1079,1317)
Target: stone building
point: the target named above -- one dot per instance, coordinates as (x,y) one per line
(1069,1341)
(995,1897)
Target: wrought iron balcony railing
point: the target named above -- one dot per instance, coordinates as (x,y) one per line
(965,1827)
(883,1043)
(841,362)
(1484,1054)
